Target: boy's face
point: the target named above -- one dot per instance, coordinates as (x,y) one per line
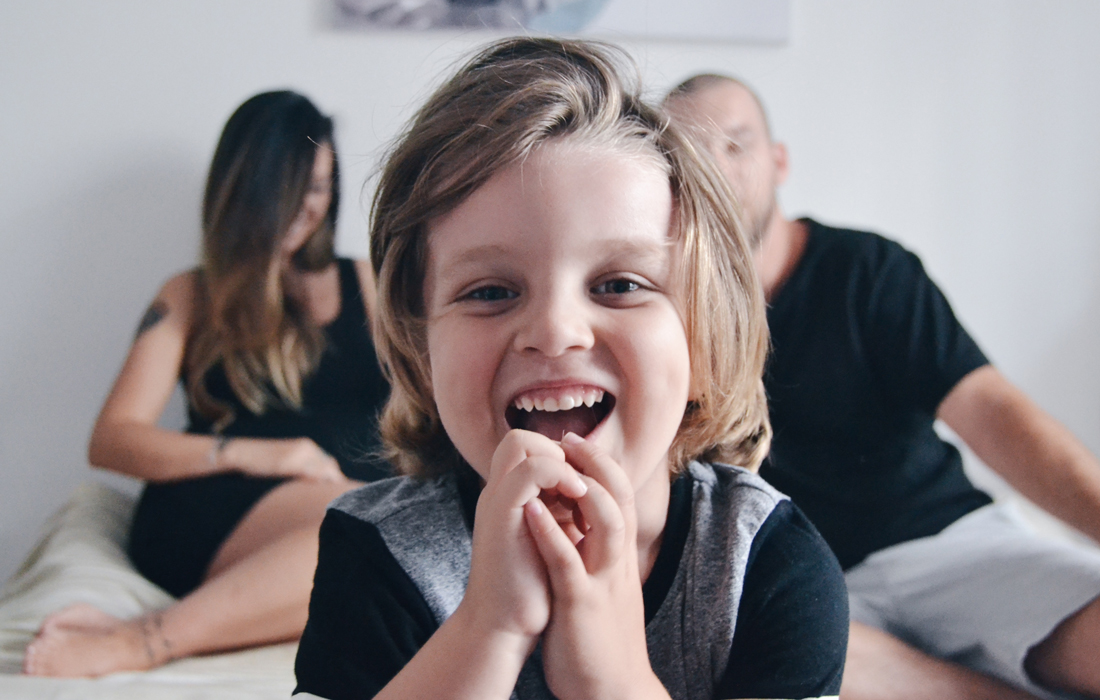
(555,285)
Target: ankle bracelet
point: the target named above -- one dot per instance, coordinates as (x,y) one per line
(154,624)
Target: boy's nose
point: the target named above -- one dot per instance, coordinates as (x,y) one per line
(555,326)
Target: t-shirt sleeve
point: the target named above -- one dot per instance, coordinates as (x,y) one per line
(916,346)
(792,623)
(366,617)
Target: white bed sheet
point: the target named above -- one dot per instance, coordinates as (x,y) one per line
(81,558)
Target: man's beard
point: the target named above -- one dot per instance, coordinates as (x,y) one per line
(758,225)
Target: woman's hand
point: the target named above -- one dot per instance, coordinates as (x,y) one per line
(594,645)
(508,590)
(295,458)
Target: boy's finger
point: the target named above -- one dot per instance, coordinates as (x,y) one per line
(535,474)
(605,539)
(591,460)
(517,446)
(563,562)
(567,514)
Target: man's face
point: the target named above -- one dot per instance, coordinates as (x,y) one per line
(729,121)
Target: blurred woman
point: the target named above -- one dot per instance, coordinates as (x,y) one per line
(269,337)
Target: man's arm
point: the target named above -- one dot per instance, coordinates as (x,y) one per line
(1035,453)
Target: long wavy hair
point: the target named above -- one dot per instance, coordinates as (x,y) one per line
(257,184)
(506,101)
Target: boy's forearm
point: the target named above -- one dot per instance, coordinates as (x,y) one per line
(462,661)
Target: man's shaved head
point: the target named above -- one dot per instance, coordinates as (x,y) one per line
(703,81)
(727,118)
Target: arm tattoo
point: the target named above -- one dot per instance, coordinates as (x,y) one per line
(153,315)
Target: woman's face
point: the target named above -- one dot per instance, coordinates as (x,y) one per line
(314,206)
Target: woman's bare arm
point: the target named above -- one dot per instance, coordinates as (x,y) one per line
(126,438)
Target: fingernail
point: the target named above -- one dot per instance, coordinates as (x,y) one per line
(572,439)
(581,486)
(536,506)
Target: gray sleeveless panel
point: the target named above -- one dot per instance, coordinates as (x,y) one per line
(690,636)
(421,523)
(688,639)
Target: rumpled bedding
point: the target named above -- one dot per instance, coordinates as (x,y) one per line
(81,558)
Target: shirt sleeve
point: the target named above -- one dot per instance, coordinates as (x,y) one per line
(915,344)
(791,636)
(366,617)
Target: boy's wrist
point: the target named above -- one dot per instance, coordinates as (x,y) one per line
(516,645)
(566,684)
(648,686)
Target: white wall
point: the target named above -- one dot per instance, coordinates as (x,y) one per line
(970,131)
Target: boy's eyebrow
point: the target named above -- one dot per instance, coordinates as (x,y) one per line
(472,255)
(490,251)
(646,251)
(616,251)
(451,267)
(617,248)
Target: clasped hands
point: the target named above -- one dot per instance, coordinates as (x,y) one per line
(555,557)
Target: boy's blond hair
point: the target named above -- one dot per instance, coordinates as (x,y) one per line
(506,101)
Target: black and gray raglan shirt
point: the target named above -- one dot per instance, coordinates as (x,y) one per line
(745,600)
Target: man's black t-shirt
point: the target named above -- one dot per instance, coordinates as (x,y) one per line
(864,348)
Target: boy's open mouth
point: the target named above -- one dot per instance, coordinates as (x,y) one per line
(555,413)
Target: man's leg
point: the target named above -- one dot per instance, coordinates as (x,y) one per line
(882,667)
(1069,659)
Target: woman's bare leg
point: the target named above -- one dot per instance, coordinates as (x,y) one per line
(256,592)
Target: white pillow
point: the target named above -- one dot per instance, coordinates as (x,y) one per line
(81,558)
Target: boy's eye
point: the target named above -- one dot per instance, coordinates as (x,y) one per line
(491,293)
(616,286)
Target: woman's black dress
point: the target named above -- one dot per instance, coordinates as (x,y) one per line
(178,526)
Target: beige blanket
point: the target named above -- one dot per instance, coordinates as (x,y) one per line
(81,558)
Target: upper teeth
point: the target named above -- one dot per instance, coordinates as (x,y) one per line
(588,397)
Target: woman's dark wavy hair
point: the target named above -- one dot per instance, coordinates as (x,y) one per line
(506,101)
(258,180)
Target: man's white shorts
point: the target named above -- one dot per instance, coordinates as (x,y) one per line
(980,593)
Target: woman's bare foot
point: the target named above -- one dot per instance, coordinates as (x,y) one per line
(82,641)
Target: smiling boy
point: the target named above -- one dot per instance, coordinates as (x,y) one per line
(574,338)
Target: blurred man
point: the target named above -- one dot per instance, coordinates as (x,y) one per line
(951,595)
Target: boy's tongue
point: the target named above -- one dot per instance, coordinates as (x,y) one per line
(555,424)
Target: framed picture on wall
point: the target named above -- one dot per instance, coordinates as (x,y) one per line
(758,21)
